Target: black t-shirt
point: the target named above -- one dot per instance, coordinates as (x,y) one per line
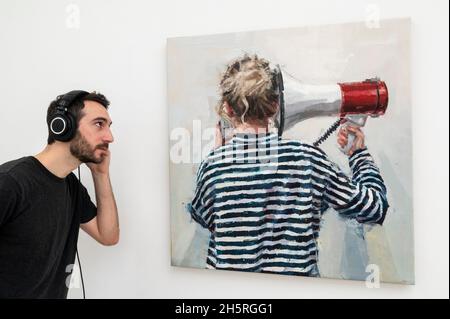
(40,216)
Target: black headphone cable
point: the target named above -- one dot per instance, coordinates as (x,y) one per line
(78,255)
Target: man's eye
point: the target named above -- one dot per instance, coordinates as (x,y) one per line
(99,124)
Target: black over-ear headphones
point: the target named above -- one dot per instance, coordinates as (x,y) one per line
(62,124)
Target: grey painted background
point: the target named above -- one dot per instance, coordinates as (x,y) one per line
(315,55)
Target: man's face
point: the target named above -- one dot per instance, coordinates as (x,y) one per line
(93,136)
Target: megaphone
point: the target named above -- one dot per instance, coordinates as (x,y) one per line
(351,102)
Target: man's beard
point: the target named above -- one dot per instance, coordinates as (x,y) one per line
(84,152)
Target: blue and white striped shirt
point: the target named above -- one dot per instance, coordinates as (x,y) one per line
(262,198)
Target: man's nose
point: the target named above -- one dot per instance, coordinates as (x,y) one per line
(108,138)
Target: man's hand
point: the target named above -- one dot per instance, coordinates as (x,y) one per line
(105,227)
(103,167)
(358,142)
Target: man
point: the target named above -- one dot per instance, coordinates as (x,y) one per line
(43,205)
(262,197)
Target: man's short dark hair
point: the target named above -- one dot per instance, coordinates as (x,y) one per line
(76,109)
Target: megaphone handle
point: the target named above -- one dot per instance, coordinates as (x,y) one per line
(355,121)
(350,140)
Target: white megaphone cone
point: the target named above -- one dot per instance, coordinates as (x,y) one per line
(304,101)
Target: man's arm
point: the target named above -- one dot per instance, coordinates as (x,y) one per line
(105,227)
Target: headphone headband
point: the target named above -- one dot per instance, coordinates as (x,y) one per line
(67,99)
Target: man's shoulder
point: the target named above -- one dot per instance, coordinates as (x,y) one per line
(13,167)
(12,172)
(18,170)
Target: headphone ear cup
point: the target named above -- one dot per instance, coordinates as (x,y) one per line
(57,125)
(70,128)
(62,126)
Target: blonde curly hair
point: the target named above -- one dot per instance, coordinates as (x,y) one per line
(248,87)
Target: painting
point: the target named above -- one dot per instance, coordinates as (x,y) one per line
(290,151)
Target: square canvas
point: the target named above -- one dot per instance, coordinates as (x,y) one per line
(290,199)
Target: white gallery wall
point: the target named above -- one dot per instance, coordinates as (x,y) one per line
(119,48)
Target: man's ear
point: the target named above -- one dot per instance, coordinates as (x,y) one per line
(228,109)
